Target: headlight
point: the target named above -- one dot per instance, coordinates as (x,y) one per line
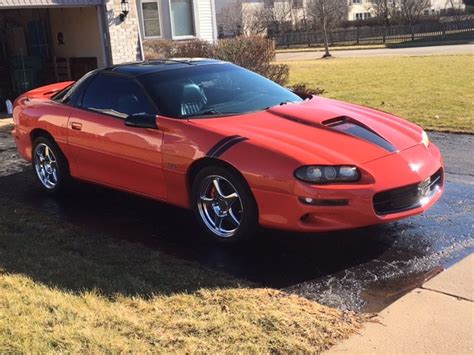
(321,174)
(424,139)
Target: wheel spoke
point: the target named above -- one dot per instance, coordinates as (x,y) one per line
(217,186)
(218,221)
(47,181)
(233,218)
(206,199)
(55,176)
(232,197)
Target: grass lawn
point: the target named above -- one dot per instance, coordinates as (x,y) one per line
(436,92)
(67,289)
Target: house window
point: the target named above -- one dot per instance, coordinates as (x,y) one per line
(362,16)
(297,4)
(182,18)
(150,13)
(268,4)
(356,1)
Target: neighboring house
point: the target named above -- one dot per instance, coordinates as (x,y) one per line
(279,15)
(360,10)
(294,12)
(364,9)
(44,41)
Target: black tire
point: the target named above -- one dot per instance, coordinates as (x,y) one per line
(63,176)
(245,203)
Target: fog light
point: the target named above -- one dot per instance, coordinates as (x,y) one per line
(323,202)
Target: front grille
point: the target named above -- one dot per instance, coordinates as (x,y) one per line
(407,197)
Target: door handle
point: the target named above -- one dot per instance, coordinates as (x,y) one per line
(76,126)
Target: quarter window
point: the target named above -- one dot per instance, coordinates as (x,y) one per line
(117,96)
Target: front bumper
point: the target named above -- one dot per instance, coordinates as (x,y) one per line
(395,176)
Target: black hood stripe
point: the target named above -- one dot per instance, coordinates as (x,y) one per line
(223,145)
(357,129)
(360,130)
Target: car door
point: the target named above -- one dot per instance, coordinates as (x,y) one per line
(106,151)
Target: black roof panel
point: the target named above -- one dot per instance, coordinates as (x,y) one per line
(155,66)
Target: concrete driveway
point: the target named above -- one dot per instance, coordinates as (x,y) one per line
(364,269)
(381,52)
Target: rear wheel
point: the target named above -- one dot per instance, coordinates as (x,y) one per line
(224,205)
(49,165)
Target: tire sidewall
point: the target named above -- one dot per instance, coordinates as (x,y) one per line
(249,221)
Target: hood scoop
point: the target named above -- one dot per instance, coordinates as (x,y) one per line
(354,128)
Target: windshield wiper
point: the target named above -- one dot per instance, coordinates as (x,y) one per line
(210,112)
(203,113)
(280,104)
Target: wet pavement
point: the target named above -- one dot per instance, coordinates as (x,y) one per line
(362,269)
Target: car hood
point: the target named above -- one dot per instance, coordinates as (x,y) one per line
(322,131)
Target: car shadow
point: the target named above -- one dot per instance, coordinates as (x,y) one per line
(273,259)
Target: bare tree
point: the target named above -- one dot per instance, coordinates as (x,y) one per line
(230,18)
(280,16)
(327,15)
(384,10)
(411,10)
(269,16)
(255,20)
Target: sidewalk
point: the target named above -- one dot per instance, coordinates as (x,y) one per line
(436,318)
(461,49)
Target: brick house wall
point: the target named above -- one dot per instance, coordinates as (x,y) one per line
(125,44)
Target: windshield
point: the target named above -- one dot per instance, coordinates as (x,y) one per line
(213,90)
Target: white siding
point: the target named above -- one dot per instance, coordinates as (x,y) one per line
(206,20)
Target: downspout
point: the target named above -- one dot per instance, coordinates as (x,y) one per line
(105,35)
(214,21)
(140,39)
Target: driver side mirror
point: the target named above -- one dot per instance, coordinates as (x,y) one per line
(141,120)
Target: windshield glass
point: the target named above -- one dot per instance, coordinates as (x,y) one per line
(213,90)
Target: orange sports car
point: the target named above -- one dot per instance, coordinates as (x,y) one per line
(236,148)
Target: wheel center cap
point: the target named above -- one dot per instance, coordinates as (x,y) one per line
(220,208)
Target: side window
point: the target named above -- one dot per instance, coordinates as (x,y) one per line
(117,96)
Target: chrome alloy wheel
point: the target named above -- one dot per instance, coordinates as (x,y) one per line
(220,206)
(46,166)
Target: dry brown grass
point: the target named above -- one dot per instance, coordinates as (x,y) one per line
(65,289)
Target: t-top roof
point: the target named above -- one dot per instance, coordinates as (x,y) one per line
(159,65)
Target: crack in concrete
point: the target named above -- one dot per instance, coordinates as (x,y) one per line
(447,294)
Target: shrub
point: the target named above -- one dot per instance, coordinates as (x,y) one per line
(253,53)
(196,49)
(159,49)
(304,89)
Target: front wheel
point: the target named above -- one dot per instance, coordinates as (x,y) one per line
(224,205)
(49,165)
